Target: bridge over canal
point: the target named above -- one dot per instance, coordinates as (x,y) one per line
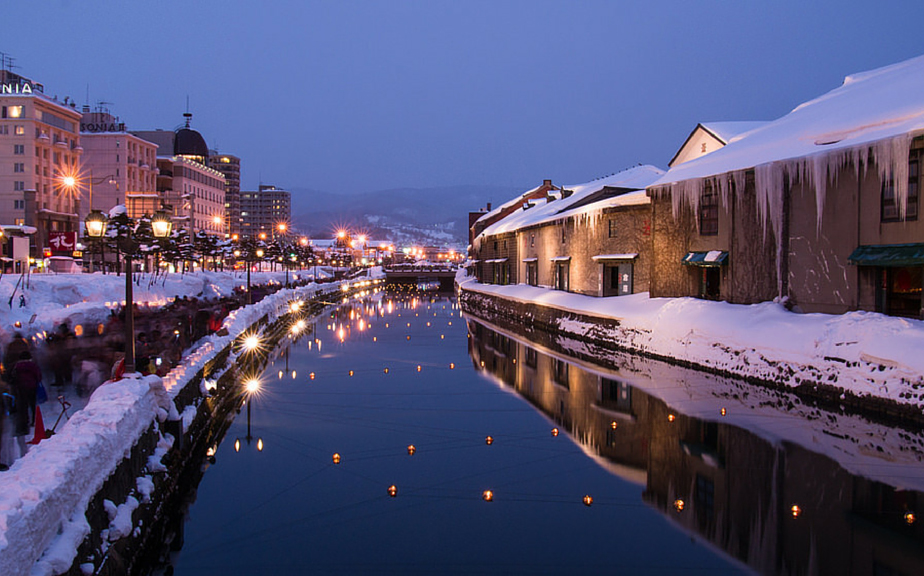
(422,273)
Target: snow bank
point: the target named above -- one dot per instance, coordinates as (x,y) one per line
(863,352)
(47,491)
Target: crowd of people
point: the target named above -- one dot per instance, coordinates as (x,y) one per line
(78,362)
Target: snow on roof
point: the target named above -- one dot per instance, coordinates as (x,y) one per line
(634,198)
(866,108)
(21,228)
(871,119)
(726,131)
(634,179)
(508,204)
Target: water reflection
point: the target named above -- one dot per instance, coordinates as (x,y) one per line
(480,483)
(784,487)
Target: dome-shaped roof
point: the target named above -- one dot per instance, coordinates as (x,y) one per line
(188,142)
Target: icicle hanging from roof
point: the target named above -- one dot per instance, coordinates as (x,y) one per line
(889,155)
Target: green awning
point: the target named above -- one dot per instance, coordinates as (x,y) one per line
(888,255)
(713,258)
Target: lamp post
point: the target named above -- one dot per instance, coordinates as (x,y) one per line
(96,224)
(249,251)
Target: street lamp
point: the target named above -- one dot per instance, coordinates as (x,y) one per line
(96,227)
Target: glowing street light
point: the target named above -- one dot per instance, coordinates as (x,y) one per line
(251,342)
(251,389)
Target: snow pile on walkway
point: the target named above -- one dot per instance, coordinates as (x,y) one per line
(863,352)
(46,492)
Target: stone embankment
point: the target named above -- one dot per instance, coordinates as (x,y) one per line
(103,496)
(816,383)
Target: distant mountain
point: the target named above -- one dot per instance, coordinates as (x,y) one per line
(402,215)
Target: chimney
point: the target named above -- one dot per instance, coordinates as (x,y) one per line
(547,183)
(489,206)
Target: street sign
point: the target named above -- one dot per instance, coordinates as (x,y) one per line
(62,241)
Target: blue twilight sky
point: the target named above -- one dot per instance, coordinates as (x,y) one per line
(346,96)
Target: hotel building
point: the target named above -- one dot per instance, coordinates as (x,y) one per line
(230,166)
(194,192)
(39,147)
(264,210)
(118,167)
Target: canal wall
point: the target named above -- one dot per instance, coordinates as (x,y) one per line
(102,496)
(828,381)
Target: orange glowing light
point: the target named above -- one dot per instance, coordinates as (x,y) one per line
(670,417)
(392,490)
(554,432)
(452,365)
(796,511)
(336,458)
(311,376)
(418,368)
(723,411)
(386,370)
(679,505)
(910,518)
(487,496)
(588,500)
(614,424)
(351,373)
(411,449)
(489,440)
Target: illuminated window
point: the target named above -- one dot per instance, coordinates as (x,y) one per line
(19,130)
(12,111)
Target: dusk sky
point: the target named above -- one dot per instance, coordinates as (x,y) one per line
(360,96)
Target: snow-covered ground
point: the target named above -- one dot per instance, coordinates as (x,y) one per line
(44,495)
(50,299)
(866,353)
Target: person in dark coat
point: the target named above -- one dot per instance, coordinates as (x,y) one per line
(13,350)
(60,346)
(26,379)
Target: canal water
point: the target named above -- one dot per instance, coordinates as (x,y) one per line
(626,466)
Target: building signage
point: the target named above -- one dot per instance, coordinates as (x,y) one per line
(62,241)
(102,126)
(24,88)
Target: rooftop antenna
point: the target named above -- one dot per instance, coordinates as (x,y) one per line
(7,62)
(187,114)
